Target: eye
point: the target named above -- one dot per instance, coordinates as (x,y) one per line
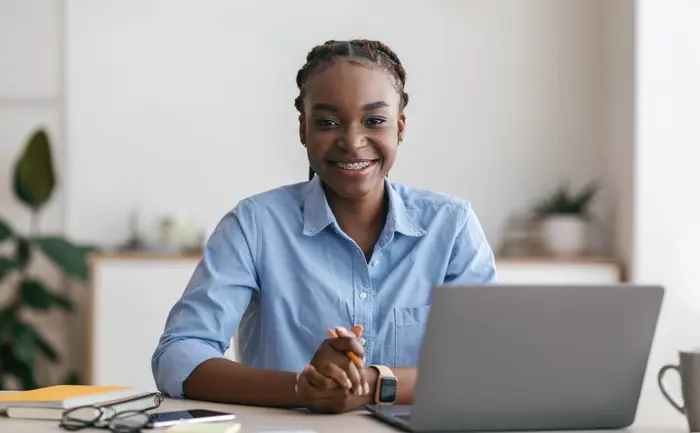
(375,121)
(326,123)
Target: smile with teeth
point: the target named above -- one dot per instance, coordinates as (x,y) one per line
(353,165)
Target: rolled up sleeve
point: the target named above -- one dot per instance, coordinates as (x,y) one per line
(472,260)
(200,325)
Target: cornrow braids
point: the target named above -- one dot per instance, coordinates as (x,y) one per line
(374,52)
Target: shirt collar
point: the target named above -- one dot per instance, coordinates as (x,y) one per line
(318,215)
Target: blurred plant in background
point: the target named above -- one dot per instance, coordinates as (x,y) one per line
(33,183)
(565,217)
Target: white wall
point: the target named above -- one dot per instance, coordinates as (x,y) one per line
(667,210)
(188,106)
(30,95)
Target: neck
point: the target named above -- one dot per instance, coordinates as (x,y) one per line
(360,215)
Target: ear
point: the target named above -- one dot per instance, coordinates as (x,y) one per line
(302,129)
(401,127)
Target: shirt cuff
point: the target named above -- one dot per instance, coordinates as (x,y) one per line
(176,363)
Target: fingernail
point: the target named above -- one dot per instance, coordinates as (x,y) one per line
(298,377)
(366,388)
(341,329)
(296,389)
(349,383)
(306,368)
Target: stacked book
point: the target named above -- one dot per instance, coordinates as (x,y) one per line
(49,403)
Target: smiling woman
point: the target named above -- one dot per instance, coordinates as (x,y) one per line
(377,59)
(347,250)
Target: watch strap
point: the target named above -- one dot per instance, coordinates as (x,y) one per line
(384,372)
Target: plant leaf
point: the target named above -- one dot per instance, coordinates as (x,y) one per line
(586,195)
(44,347)
(62,301)
(36,295)
(22,370)
(5,319)
(68,256)
(34,177)
(6,266)
(72,379)
(5,231)
(24,342)
(23,252)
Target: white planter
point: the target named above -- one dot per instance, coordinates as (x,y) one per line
(565,235)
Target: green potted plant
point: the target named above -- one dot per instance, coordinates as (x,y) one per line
(564,218)
(21,344)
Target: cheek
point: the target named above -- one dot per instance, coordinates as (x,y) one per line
(388,151)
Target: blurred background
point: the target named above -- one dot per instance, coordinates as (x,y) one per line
(128,128)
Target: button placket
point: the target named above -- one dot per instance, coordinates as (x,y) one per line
(363,306)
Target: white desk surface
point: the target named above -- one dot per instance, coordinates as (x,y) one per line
(257,419)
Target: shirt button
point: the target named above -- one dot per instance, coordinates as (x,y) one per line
(363,295)
(375,263)
(363,341)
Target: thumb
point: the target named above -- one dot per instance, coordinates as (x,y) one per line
(357,330)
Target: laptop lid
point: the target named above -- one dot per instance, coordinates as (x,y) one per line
(519,357)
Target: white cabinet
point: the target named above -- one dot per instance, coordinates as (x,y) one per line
(130,300)
(131,296)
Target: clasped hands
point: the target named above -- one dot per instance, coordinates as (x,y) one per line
(331,382)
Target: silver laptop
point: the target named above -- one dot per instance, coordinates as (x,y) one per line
(518,357)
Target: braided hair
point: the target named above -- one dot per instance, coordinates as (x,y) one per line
(365,51)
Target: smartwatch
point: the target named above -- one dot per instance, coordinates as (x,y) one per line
(387,384)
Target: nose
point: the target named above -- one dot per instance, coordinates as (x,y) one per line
(352,139)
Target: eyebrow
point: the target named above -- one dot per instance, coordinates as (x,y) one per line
(366,107)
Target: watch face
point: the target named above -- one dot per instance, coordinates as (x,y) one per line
(387,390)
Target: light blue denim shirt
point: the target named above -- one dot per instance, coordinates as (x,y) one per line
(279,270)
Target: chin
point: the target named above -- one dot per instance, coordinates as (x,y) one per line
(354,190)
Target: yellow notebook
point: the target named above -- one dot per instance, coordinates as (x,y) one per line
(66,396)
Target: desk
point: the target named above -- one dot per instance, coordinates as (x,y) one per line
(256,419)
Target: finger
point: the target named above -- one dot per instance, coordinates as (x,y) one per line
(307,391)
(336,374)
(357,330)
(346,343)
(316,397)
(343,367)
(360,385)
(319,380)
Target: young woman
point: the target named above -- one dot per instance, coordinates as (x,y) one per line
(349,251)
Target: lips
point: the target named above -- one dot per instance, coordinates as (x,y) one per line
(354,166)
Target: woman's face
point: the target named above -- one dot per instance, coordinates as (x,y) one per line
(351,126)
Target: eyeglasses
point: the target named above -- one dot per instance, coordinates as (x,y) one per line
(128,421)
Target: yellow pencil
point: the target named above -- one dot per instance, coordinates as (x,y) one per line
(351,355)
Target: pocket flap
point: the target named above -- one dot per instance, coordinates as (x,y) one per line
(411,315)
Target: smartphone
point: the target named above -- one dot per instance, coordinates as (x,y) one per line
(166,419)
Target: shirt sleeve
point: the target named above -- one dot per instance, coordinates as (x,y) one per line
(201,323)
(472,260)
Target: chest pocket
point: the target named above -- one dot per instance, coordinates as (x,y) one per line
(409,330)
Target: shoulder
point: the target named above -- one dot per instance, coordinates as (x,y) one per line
(286,198)
(428,207)
(283,204)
